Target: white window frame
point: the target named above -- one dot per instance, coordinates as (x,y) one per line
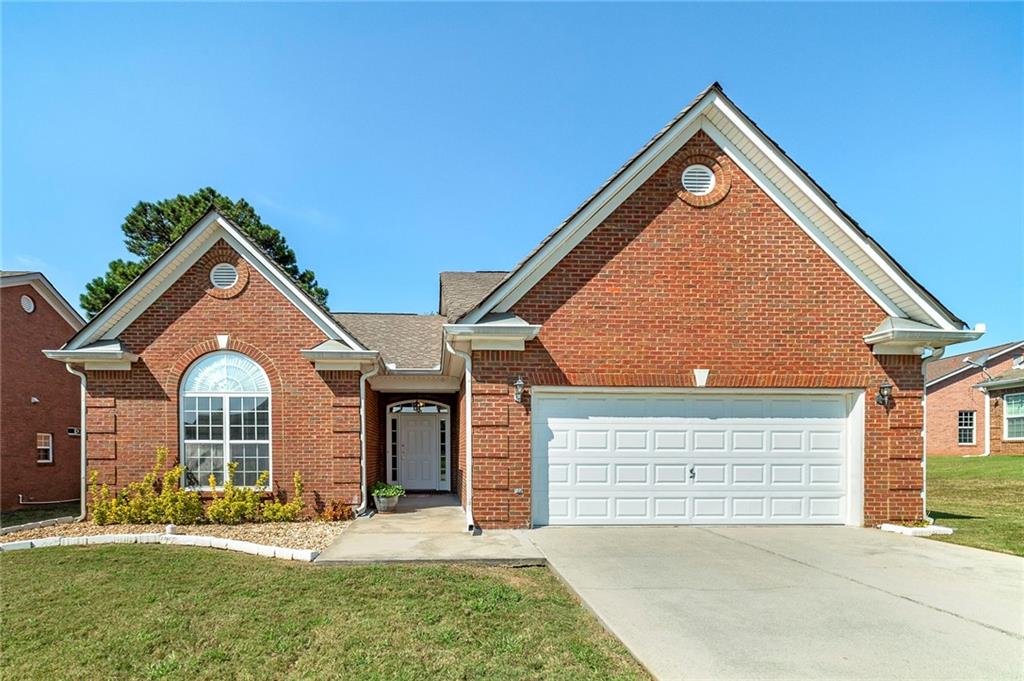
(226,440)
(973,427)
(48,449)
(1006,419)
(444,483)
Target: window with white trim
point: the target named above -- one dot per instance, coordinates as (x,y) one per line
(1013,416)
(225,418)
(965,428)
(44,447)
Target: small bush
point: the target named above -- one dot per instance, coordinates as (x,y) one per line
(236,504)
(277,512)
(382,489)
(155,499)
(336,510)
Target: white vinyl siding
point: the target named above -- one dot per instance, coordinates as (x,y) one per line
(752,458)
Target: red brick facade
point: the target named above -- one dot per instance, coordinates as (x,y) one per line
(26,373)
(314,415)
(947,398)
(999,445)
(663,287)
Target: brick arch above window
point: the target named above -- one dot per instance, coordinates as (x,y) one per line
(190,356)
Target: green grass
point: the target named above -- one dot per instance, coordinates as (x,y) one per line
(983,498)
(31,515)
(137,611)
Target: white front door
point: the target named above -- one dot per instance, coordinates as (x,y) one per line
(608,458)
(419,451)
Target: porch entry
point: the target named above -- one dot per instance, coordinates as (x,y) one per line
(419,445)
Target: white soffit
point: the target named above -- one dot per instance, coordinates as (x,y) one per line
(768,167)
(182,255)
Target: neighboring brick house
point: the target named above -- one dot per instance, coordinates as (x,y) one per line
(707,339)
(957,417)
(40,406)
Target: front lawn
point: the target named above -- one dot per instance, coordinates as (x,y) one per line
(31,515)
(146,611)
(980,497)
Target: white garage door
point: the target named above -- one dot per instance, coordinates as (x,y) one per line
(638,458)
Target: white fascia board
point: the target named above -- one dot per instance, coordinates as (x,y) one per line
(808,188)
(801,219)
(492,336)
(341,360)
(506,295)
(42,286)
(997,384)
(95,360)
(183,255)
(599,208)
(906,342)
(968,367)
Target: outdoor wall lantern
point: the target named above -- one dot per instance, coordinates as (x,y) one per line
(519,385)
(884,396)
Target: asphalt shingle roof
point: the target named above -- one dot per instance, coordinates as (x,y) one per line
(947,365)
(462,291)
(408,341)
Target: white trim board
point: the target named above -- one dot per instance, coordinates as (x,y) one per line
(785,183)
(174,262)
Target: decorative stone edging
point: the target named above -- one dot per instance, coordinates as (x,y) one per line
(302,555)
(36,525)
(926,531)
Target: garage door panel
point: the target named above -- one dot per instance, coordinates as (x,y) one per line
(685,459)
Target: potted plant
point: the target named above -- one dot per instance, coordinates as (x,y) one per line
(385,496)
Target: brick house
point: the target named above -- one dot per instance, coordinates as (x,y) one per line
(39,401)
(960,412)
(706,339)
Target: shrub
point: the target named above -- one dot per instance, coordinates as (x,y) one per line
(155,499)
(382,489)
(236,504)
(336,510)
(277,512)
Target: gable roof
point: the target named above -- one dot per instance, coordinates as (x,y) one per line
(460,292)
(405,341)
(946,367)
(896,292)
(184,252)
(39,282)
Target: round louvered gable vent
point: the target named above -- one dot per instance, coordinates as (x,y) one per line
(27,304)
(698,179)
(223,275)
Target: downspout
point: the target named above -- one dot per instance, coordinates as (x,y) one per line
(468,359)
(936,354)
(81,444)
(988,421)
(363,492)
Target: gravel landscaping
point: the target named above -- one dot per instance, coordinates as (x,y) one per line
(304,535)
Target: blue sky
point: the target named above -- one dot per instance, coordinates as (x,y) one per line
(389,142)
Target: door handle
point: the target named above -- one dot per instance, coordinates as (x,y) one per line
(693,472)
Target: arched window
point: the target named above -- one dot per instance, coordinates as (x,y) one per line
(225,417)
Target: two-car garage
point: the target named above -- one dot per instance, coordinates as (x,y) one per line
(632,457)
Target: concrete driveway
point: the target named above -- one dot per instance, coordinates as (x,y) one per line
(790,603)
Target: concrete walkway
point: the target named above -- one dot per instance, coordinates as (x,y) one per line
(427,528)
(797,602)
